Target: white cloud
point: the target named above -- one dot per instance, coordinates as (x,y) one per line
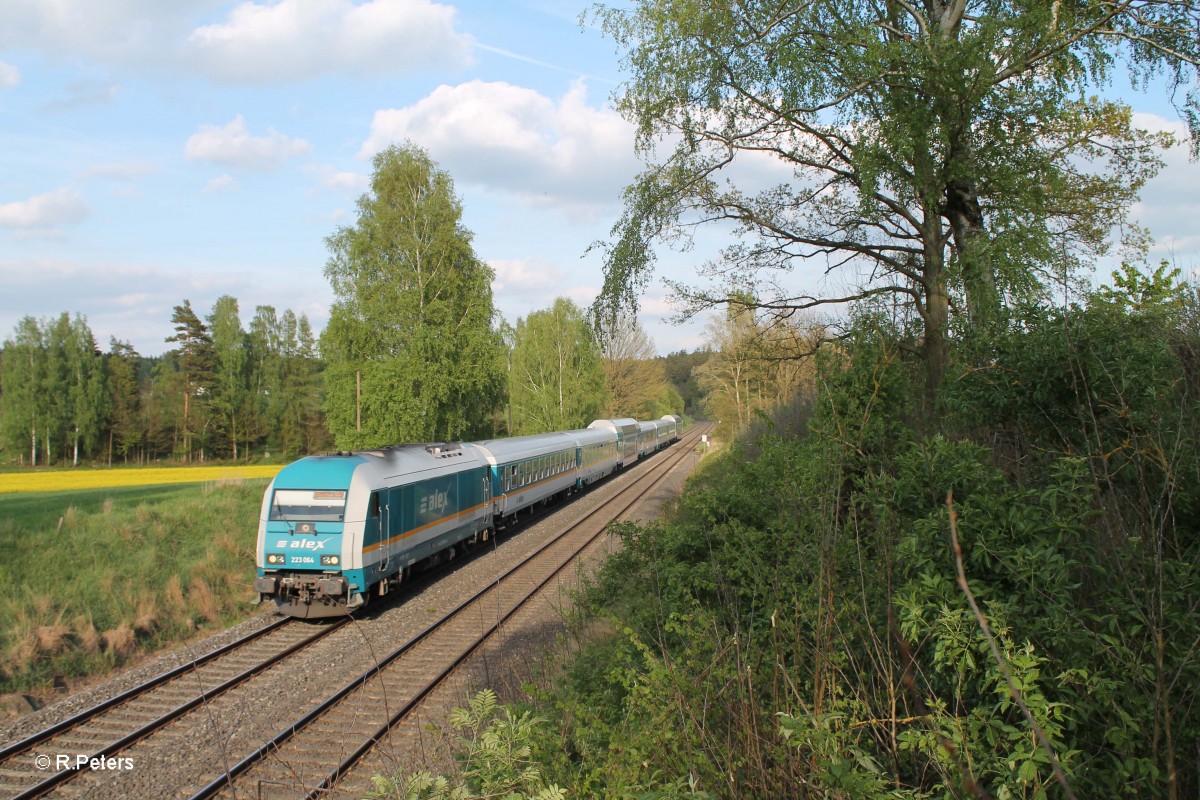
(119,171)
(223,183)
(61,207)
(332,178)
(134,301)
(513,139)
(232,146)
(515,275)
(9,75)
(293,40)
(81,94)
(133,32)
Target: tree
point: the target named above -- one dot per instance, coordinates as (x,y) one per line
(756,364)
(124,423)
(946,152)
(231,396)
(195,362)
(410,348)
(728,377)
(557,377)
(54,388)
(633,377)
(87,392)
(54,400)
(21,379)
(264,373)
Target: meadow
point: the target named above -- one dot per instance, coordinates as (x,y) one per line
(94,576)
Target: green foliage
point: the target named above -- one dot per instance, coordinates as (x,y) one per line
(799,621)
(54,390)
(286,383)
(556,379)
(230,399)
(410,348)
(125,399)
(680,368)
(495,755)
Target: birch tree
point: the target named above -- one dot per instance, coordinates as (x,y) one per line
(411,350)
(557,377)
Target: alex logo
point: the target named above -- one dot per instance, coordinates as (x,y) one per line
(435,503)
(301,544)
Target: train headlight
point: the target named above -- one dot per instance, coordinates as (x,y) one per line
(329,561)
(275,558)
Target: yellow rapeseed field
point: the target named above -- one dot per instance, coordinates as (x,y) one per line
(34,481)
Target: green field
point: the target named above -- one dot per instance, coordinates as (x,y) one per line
(95,576)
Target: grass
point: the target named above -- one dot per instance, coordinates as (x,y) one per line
(54,480)
(94,576)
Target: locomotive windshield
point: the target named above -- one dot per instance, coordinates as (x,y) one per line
(307,505)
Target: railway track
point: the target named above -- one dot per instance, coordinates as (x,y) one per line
(321,746)
(110,727)
(309,757)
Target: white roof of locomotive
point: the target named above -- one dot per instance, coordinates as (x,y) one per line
(406,459)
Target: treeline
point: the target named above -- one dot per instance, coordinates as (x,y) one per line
(222,392)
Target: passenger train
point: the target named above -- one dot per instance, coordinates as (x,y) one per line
(336,529)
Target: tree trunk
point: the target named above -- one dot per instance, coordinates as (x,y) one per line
(936,317)
(33,446)
(965,215)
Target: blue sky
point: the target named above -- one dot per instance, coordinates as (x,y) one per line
(154,151)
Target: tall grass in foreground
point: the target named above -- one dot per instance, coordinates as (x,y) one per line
(93,577)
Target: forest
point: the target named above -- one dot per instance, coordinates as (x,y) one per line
(227,393)
(222,392)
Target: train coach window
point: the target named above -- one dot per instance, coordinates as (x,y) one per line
(308,505)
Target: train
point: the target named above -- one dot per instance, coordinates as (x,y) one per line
(338,529)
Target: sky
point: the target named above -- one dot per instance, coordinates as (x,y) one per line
(152,152)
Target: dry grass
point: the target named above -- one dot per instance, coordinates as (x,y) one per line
(147,615)
(86,634)
(119,641)
(203,600)
(45,481)
(173,595)
(52,639)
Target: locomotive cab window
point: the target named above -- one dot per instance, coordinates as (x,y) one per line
(308,505)
(373,507)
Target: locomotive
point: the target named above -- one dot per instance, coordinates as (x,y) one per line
(336,529)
